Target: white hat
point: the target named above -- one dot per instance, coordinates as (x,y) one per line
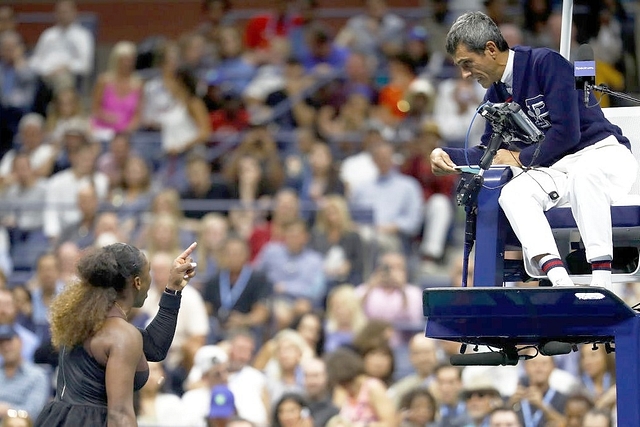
(206,358)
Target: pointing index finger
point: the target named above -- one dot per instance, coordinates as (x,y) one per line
(188,251)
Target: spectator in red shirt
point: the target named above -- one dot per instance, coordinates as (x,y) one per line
(438,194)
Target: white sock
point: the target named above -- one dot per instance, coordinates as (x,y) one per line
(601,278)
(558,275)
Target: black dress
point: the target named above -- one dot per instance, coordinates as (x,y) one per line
(81,394)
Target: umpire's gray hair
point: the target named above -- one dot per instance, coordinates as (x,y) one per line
(474,30)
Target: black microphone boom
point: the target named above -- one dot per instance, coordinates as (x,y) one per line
(584,71)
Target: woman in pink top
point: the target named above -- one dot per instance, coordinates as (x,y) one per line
(117,95)
(363,399)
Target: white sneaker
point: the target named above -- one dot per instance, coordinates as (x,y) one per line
(563,281)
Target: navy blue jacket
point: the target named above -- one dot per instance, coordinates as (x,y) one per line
(544,86)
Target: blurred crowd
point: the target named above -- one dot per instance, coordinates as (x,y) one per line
(297,156)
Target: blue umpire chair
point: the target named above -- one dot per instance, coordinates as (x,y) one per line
(554,320)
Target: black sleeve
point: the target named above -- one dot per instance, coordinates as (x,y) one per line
(158,336)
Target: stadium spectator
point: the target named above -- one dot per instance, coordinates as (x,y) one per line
(247,384)
(62,190)
(117,95)
(202,186)
(157,408)
(361,399)
(22,213)
(25,386)
(423,355)
(295,271)
(9,317)
(64,53)
(387,295)
(344,317)
(317,392)
(237,295)
(31,140)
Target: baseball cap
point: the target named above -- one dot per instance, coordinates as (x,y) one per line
(480,384)
(223,404)
(206,358)
(7,332)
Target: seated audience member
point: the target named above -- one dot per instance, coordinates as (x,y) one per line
(437,192)
(65,110)
(112,162)
(75,134)
(19,82)
(294,95)
(158,98)
(201,187)
(62,190)
(320,179)
(44,286)
(480,397)
(291,410)
(455,103)
(213,232)
(392,95)
(184,126)
(238,295)
(192,326)
(117,94)
(284,370)
(295,271)
(335,237)
(262,28)
(388,296)
(22,209)
(25,386)
(423,355)
(132,198)
(157,408)
(68,254)
(536,398)
(360,169)
(379,362)
(248,182)
(396,201)
(576,407)
(311,328)
(598,375)
(447,386)
(285,208)
(165,201)
(317,392)
(344,317)
(597,418)
(235,68)
(195,56)
(210,374)
(504,417)
(64,53)
(321,55)
(259,143)
(31,140)
(83,232)
(24,304)
(247,384)
(163,235)
(361,399)
(9,317)
(417,407)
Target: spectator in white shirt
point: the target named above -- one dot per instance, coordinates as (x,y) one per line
(64,50)
(61,208)
(31,140)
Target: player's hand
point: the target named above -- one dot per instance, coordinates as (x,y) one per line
(441,163)
(183,269)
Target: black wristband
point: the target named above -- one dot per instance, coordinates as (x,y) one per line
(172,292)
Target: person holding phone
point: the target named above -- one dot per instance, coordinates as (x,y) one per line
(104,358)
